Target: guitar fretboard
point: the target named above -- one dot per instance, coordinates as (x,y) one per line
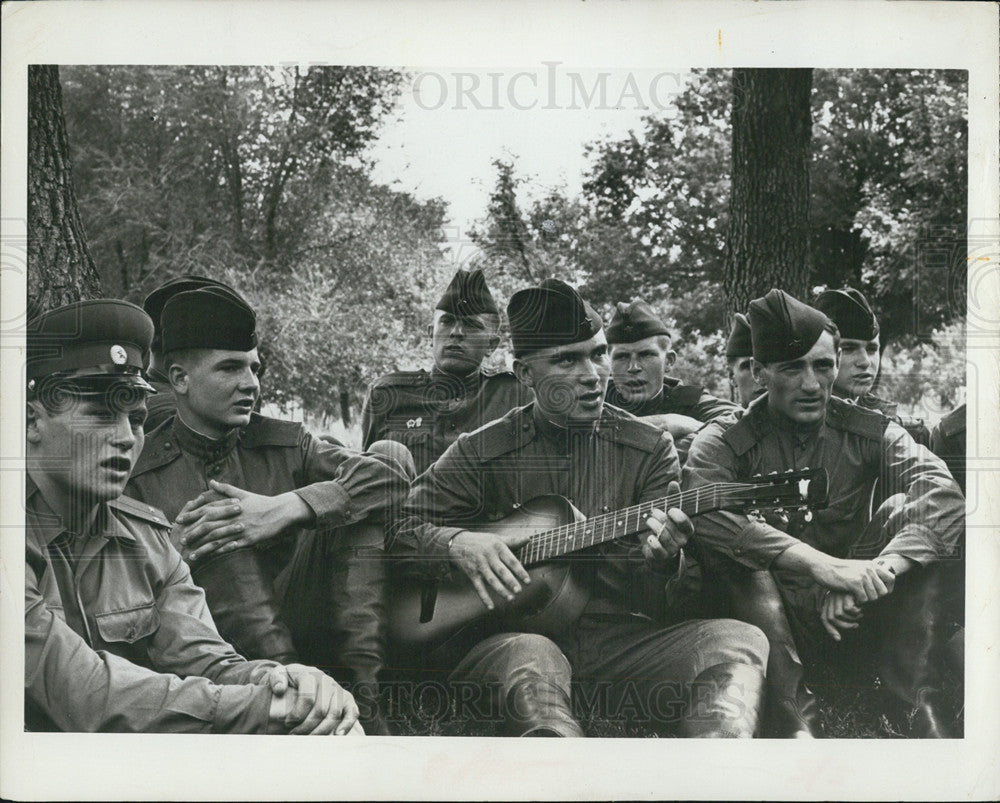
(628,521)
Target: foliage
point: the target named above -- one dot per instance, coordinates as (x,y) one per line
(258,175)
(927,379)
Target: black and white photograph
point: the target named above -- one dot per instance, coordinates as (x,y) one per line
(436,396)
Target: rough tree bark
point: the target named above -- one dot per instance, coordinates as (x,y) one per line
(768,241)
(60,268)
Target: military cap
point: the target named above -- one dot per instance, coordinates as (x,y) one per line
(208,318)
(635,321)
(155,301)
(850,310)
(104,340)
(551,314)
(467,294)
(782,328)
(739,343)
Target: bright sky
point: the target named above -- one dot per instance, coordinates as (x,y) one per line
(452,123)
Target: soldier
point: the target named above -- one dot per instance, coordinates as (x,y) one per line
(161,405)
(427,410)
(117,637)
(569,442)
(739,357)
(843,577)
(640,358)
(861,355)
(284,532)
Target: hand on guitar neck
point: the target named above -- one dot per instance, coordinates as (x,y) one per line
(488,560)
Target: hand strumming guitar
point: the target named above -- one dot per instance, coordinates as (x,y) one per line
(487,560)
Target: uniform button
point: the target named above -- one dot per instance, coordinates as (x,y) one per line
(166,445)
(605,509)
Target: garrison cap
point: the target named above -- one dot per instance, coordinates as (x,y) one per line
(635,321)
(208,318)
(467,294)
(103,340)
(850,310)
(739,343)
(782,328)
(551,314)
(161,295)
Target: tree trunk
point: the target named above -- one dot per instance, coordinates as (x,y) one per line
(768,240)
(60,268)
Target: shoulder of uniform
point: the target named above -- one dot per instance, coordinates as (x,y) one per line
(503,435)
(498,375)
(158,450)
(626,429)
(745,431)
(265,431)
(852,418)
(402,379)
(128,506)
(872,402)
(954,422)
(686,395)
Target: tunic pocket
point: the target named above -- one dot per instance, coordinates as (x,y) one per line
(128,626)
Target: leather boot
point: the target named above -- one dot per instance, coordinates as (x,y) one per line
(358,590)
(535,706)
(790,709)
(243,604)
(725,703)
(912,633)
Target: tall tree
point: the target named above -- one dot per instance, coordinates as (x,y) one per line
(60,268)
(768,241)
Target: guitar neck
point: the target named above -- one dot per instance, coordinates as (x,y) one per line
(628,521)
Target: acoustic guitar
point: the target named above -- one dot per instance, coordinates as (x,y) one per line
(452,613)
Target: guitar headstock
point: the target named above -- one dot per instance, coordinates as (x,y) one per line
(802,490)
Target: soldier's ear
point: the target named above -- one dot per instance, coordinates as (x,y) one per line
(522,371)
(178,376)
(494,342)
(758,370)
(430,330)
(671,358)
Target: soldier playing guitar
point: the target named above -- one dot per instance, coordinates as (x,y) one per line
(570,443)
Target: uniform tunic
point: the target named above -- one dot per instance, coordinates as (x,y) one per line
(914,426)
(948,443)
(427,411)
(267,457)
(689,400)
(160,405)
(857,447)
(118,638)
(486,475)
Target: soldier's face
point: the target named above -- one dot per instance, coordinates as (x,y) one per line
(216,389)
(87,445)
(569,381)
(741,375)
(800,389)
(859,364)
(638,368)
(462,342)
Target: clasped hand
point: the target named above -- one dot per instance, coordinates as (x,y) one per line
(225,518)
(306,701)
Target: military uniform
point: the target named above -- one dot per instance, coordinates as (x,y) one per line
(948,442)
(615,649)
(269,457)
(123,623)
(426,411)
(916,427)
(689,400)
(161,406)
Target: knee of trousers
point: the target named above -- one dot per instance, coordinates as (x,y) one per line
(726,641)
(398,452)
(528,655)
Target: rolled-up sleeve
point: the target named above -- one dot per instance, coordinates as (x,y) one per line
(933,514)
(343,486)
(81,689)
(749,541)
(451,490)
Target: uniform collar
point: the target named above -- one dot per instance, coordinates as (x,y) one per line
(454,384)
(558,433)
(201,446)
(49,525)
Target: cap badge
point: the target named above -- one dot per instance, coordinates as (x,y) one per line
(414,422)
(118,355)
